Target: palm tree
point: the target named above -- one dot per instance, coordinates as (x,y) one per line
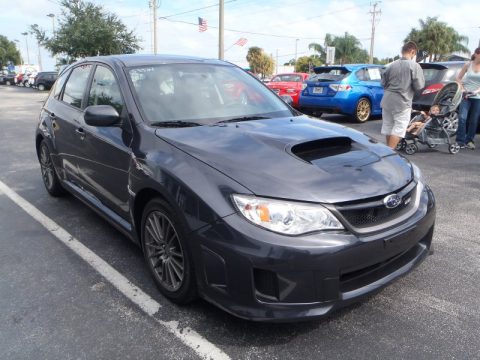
(437,38)
(347,48)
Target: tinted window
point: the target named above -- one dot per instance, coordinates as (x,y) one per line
(362,75)
(202,93)
(75,87)
(287,78)
(105,90)
(59,84)
(329,74)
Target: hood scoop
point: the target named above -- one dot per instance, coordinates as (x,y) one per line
(334,152)
(322,148)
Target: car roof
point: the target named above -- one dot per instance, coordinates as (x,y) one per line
(350,67)
(131,60)
(445,63)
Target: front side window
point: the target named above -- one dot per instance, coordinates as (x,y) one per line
(75,87)
(202,93)
(105,90)
(59,84)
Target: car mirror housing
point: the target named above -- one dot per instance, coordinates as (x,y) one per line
(101,115)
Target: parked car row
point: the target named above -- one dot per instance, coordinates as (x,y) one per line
(355,90)
(43,80)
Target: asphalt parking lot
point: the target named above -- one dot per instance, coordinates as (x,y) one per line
(55,305)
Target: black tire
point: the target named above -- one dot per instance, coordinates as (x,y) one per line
(363,110)
(411,149)
(167,252)
(8,83)
(49,174)
(41,87)
(432,146)
(401,145)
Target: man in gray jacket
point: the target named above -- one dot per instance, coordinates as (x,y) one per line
(400,81)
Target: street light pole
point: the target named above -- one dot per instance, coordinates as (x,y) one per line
(296,48)
(53,34)
(21,57)
(26,42)
(220,30)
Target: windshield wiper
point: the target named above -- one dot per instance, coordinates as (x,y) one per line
(244,118)
(175,123)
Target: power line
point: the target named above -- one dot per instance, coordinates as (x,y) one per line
(245,32)
(193,10)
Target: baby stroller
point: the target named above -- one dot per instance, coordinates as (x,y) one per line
(440,128)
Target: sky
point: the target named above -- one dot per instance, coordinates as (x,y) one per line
(274,25)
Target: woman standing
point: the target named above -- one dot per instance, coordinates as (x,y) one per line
(469,111)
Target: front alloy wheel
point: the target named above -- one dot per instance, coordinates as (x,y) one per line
(166,253)
(363,110)
(49,176)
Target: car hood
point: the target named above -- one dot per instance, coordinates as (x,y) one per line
(296,158)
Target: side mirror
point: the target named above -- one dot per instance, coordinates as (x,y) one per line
(101,115)
(287,99)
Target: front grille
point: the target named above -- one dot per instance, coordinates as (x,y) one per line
(372,213)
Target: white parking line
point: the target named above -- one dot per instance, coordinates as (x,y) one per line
(189,337)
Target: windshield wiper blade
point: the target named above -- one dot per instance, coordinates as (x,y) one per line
(175,123)
(244,118)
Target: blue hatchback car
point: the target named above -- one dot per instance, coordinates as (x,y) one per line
(354,90)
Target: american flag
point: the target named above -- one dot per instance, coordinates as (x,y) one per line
(202,25)
(241,42)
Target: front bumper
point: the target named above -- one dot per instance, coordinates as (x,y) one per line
(259,275)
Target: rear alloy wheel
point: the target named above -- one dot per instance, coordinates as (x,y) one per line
(26,84)
(166,253)
(8,83)
(41,87)
(49,175)
(363,110)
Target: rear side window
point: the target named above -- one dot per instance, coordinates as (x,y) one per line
(105,90)
(75,87)
(59,84)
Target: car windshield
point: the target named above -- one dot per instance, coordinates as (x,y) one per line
(203,94)
(329,74)
(287,78)
(432,74)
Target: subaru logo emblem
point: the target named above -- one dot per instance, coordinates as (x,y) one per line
(392,201)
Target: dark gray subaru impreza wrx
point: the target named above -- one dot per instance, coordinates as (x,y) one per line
(232,195)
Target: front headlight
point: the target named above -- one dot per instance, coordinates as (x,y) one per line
(286,217)
(417,174)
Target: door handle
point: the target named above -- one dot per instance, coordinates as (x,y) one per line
(80,132)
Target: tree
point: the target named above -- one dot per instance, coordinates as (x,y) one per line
(437,38)
(259,62)
(8,52)
(305,63)
(86,29)
(347,49)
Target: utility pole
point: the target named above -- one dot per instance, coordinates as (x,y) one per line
(220,30)
(374,12)
(153,6)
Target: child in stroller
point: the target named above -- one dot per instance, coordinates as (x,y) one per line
(418,122)
(438,126)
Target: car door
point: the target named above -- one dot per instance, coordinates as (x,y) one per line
(375,87)
(66,114)
(105,165)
